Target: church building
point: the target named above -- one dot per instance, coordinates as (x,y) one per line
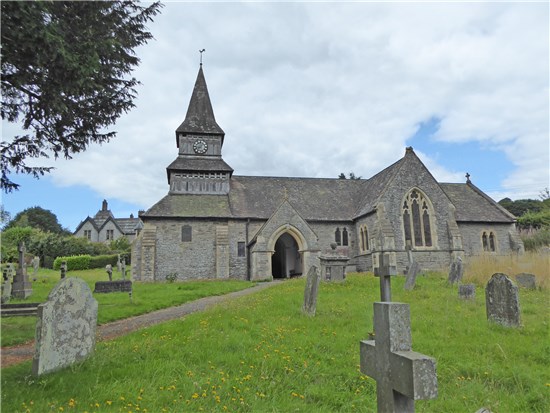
(214,224)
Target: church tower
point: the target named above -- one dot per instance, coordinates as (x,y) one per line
(199,167)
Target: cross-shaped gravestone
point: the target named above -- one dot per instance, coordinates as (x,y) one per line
(385,271)
(22,287)
(402,375)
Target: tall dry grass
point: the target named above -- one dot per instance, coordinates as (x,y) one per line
(479,269)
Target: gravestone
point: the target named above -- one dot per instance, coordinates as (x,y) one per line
(109,269)
(456,271)
(21,287)
(66,326)
(412,272)
(123,268)
(402,375)
(467,291)
(63,269)
(118,264)
(526,280)
(118,286)
(35,265)
(502,301)
(311,290)
(6,287)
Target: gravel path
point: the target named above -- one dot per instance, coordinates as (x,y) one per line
(17,354)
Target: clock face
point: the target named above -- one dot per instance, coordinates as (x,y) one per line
(200,146)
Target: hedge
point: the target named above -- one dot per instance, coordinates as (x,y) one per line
(74,263)
(85,262)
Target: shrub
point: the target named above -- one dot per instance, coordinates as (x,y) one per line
(74,263)
(101,261)
(538,239)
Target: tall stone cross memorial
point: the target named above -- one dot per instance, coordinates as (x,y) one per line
(21,287)
(402,375)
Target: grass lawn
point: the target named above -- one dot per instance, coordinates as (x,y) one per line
(261,354)
(146,297)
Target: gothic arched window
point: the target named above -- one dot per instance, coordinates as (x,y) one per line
(417,223)
(362,241)
(492,242)
(485,241)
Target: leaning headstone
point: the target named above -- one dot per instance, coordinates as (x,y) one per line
(66,326)
(109,269)
(402,375)
(526,280)
(21,288)
(467,291)
(456,271)
(502,301)
(412,272)
(310,293)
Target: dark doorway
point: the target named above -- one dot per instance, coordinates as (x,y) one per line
(286,262)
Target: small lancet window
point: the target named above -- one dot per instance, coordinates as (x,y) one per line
(484,242)
(345,240)
(492,242)
(338,237)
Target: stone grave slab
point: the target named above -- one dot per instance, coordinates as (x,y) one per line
(66,326)
(118,286)
(502,301)
(456,271)
(467,291)
(526,280)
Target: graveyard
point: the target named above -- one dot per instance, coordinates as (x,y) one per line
(264,353)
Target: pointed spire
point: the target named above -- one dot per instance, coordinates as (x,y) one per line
(200,116)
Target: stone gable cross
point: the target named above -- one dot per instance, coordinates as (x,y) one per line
(402,375)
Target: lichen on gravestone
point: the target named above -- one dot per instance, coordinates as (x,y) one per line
(66,326)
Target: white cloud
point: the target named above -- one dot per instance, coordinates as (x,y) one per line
(317,89)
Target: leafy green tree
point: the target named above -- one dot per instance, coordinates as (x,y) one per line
(65,75)
(351,176)
(521,206)
(39,218)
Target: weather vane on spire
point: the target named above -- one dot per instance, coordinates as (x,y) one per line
(200,51)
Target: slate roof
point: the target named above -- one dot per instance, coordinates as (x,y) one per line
(213,164)
(200,116)
(257,197)
(472,205)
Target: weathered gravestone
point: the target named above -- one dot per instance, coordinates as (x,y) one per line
(21,288)
(456,271)
(66,326)
(311,290)
(526,280)
(467,291)
(123,268)
(35,265)
(118,263)
(117,286)
(412,272)
(63,269)
(502,301)
(402,376)
(6,287)
(109,269)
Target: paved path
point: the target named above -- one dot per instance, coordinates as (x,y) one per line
(109,331)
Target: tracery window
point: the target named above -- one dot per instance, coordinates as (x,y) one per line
(417,224)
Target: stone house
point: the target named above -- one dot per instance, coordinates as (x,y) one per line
(104,227)
(214,224)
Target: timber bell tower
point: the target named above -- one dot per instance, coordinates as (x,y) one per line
(199,167)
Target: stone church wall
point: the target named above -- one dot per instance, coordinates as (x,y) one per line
(472,232)
(237,265)
(193,259)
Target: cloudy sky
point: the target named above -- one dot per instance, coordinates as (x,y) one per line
(316,89)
